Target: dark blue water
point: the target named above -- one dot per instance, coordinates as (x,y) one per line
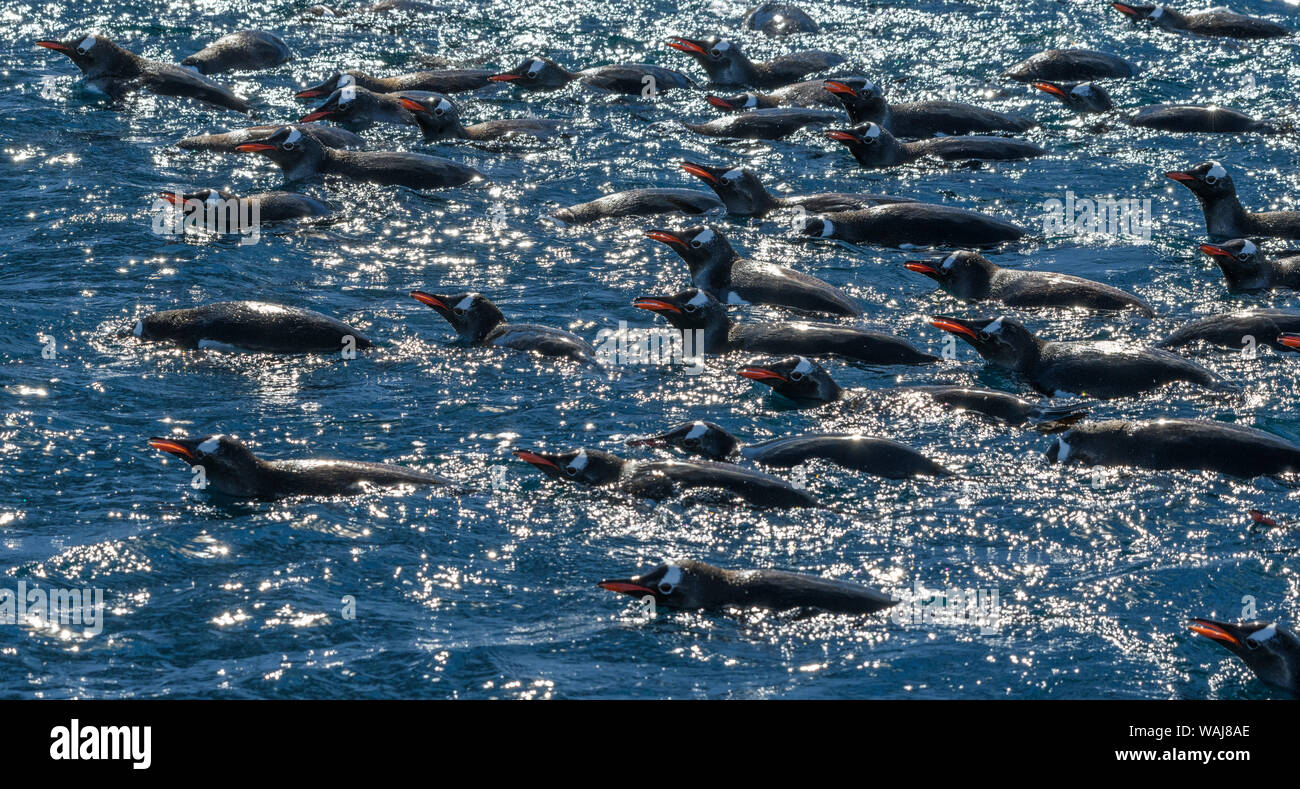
(493,594)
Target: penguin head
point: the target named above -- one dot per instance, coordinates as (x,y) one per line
(471,315)
(1207,180)
(332,83)
(862,99)
(1138,12)
(229,466)
(715,54)
(535,74)
(964,274)
(870,144)
(699,246)
(1271,651)
(435,113)
(1239,259)
(741,101)
(1002,341)
(694,438)
(583,466)
(691,309)
(796,378)
(737,187)
(190,201)
(348,104)
(93,54)
(1078,96)
(672,585)
(285,146)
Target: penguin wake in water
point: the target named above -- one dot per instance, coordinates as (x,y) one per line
(726,64)
(691,585)
(1177,444)
(231,469)
(114,71)
(658,480)
(257,326)
(477,321)
(1267,648)
(1224,215)
(1087,98)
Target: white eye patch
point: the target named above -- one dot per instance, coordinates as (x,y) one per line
(1260,636)
(994,327)
(465,303)
(1217,171)
(750,100)
(1082,90)
(1249,248)
(214,197)
(828,227)
(698,429)
(734,174)
(87,44)
(803,367)
(949,261)
(139,329)
(210,446)
(872,131)
(444,105)
(704,237)
(536,66)
(1062,449)
(699,299)
(722,46)
(347,94)
(1159,12)
(579,462)
(294,136)
(346,80)
(672,576)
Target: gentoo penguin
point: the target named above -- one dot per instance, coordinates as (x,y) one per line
(1244,267)
(1238,330)
(694,309)
(636,79)
(770,124)
(361,109)
(875,148)
(1167,444)
(257,326)
(443,81)
(302,157)
(637,202)
(972,277)
(1267,648)
(864,101)
(1086,97)
(245,50)
(271,206)
(1071,65)
(915,224)
(1091,369)
(779,19)
(477,321)
(726,64)
(1217,22)
(231,469)
(695,586)
(114,71)
(227,142)
(439,118)
(811,93)
(717,268)
(1224,216)
(743,193)
(878,456)
(806,384)
(658,480)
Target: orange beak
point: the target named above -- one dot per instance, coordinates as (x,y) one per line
(954,327)
(507,77)
(1211,249)
(698,172)
(1289,340)
(315,116)
(54,45)
(665,237)
(839,87)
(1180,177)
(414,106)
(535,459)
(1048,87)
(921,268)
(254,147)
(842,136)
(1211,630)
(172,447)
(760,374)
(428,299)
(655,305)
(686,45)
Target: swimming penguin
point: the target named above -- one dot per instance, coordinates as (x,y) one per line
(1086,97)
(726,64)
(477,321)
(245,50)
(875,148)
(864,101)
(717,268)
(256,326)
(1093,369)
(812,93)
(302,157)
(1217,22)
(694,309)
(441,81)
(806,384)
(1071,65)
(972,277)
(1244,329)
(1224,216)
(763,124)
(743,193)
(231,469)
(114,71)
(637,202)
(1267,648)
(779,19)
(1169,444)
(227,142)
(636,79)
(878,456)
(271,206)
(1244,267)
(659,480)
(439,118)
(913,224)
(361,109)
(692,586)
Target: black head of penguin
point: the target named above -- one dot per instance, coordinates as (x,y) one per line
(700,246)
(535,74)
(1239,260)
(189,201)
(862,99)
(289,148)
(471,315)
(737,103)
(690,309)
(1209,181)
(695,438)
(796,378)
(1002,341)
(345,105)
(1271,651)
(688,585)
(1078,96)
(721,58)
(739,189)
(871,145)
(95,55)
(583,466)
(966,275)
(437,115)
(1137,12)
(229,467)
